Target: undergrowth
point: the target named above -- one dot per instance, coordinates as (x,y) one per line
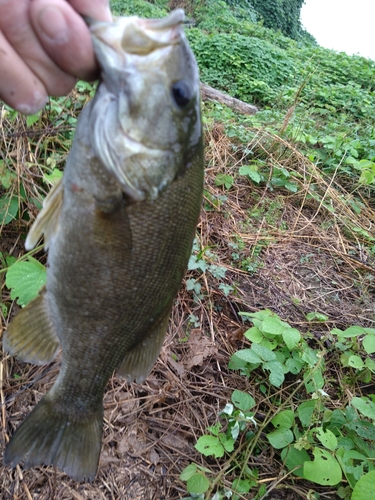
(299,173)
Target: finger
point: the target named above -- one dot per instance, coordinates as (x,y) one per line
(98,10)
(19,87)
(16,27)
(65,36)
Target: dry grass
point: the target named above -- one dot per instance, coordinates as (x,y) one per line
(308,253)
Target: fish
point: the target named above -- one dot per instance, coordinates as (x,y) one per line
(119,229)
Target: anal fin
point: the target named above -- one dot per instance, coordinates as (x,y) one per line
(139,361)
(30,335)
(47,221)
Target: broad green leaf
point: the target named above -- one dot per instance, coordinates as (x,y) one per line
(254,335)
(295,458)
(369,343)
(370,364)
(210,445)
(291,337)
(363,428)
(327,438)
(356,362)
(8,209)
(324,469)
(198,483)
(283,420)
(189,471)
(305,412)
(365,406)
(352,331)
(315,382)
(364,489)
(224,180)
(280,438)
(241,485)
(25,279)
(309,356)
(228,442)
(54,176)
(31,119)
(276,376)
(263,352)
(242,400)
(272,325)
(316,316)
(248,355)
(294,365)
(251,173)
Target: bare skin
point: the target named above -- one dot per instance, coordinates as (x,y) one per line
(44,47)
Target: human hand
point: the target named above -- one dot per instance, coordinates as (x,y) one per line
(44,47)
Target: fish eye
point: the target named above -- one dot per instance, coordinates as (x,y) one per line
(182,93)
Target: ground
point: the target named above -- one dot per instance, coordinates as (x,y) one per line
(292,253)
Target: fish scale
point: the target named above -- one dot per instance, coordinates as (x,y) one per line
(119,229)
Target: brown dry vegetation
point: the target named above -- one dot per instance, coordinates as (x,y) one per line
(305,257)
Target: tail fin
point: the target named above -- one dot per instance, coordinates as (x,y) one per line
(50,437)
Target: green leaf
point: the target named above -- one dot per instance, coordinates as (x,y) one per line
(188,472)
(295,458)
(210,445)
(241,485)
(316,316)
(8,209)
(305,412)
(364,489)
(265,353)
(280,438)
(272,325)
(198,483)
(315,382)
(324,469)
(54,176)
(294,365)
(254,335)
(250,172)
(276,376)
(352,331)
(369,343)
(31,119)
(284,419)
(224,180)
(291,337)
(242,400)
(363,428)
(327,438)
(248,355)
(365,406)
(356,362)
(25,279)
(370,364)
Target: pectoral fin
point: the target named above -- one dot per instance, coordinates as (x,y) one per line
(138,362)
(47,222)
(30,335)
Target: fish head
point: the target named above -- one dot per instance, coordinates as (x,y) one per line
(146,125)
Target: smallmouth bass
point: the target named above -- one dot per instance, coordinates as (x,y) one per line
(119,229)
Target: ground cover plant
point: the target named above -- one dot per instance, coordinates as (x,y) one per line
(265,384)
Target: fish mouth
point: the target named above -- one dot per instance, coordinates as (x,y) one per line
(133,35)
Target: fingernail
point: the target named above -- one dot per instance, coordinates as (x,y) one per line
(38,103)
(52,22)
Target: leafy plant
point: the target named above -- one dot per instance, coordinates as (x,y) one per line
(315,443)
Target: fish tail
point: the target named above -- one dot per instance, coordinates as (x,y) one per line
(50,437)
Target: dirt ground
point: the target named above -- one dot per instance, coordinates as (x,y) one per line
(282,251)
